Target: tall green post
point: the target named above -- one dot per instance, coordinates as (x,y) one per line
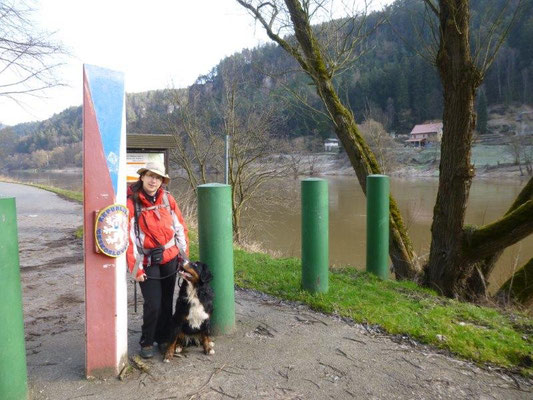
(13,373)
(315,235)
(215,234)
(377,225)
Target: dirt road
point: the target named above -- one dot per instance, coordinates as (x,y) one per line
(279,350)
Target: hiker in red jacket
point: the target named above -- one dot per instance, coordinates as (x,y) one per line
(158,241)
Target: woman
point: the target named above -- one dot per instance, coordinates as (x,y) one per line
(157,235)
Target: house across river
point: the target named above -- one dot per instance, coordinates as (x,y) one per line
(424,133)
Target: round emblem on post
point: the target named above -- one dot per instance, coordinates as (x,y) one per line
(111,230)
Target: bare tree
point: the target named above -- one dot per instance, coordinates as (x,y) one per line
(527,156)
(322,54)
(28,57)
(514,148)
(462,257)
(199,127)
(249,127)
(198,150)
(380,142)
(293,154)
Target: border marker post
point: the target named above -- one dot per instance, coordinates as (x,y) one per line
(215,235)
(13,371)
(377,225)
(315,235)
(104,191)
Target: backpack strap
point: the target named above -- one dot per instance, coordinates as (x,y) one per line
(138,212)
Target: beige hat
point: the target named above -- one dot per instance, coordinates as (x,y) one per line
(156,168)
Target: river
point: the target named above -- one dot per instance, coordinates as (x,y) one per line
(273,221)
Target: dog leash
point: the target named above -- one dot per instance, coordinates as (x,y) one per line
(185,261)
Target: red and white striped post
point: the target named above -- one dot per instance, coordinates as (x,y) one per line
(105,221)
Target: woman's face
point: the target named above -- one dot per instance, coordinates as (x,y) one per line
(151,182)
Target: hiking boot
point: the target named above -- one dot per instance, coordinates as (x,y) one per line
(147,352)
(162,347)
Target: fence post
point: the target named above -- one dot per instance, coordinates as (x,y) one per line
(215,236)
(377,225)
(13,372)
(315,235)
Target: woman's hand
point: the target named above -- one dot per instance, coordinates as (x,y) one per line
(141,278)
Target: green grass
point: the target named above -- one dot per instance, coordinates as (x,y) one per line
(482,155)
(480,334)
(79,232)
(67,194)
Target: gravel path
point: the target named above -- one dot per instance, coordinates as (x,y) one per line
(279,350)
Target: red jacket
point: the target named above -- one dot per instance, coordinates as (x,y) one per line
(155,225)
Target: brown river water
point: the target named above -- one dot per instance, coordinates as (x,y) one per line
(273,221)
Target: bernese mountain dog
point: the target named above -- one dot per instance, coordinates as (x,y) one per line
(194,307)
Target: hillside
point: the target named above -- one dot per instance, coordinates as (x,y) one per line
(390,83)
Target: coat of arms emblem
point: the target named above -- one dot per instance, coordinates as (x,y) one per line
(111,230)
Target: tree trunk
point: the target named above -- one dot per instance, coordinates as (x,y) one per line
(361,157)
(446,270)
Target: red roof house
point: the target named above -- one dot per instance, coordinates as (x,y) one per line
(423,133)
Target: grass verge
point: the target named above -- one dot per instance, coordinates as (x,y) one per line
(481,334)
(64,193)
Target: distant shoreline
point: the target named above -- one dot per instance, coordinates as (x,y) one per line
(336,167)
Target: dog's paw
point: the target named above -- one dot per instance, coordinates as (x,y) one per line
(166,360)
(211,344)
(211,351)
(178,350)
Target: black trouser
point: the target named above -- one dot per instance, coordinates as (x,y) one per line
(157,308)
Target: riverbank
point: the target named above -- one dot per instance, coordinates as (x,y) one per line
(338,165)
(402,311)
(493,161)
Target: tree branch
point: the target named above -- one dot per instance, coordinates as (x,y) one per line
(512,228)
(432,7)
(268,28)
(525,194)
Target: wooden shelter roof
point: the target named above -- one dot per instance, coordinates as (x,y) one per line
(150,141)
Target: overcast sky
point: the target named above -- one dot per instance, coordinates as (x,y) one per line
(157,44)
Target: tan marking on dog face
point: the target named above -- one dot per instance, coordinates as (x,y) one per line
(190,274)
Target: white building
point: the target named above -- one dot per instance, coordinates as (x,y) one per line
(331,144)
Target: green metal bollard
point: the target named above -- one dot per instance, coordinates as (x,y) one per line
(215,234)
(13,373)
(315,235)
(377,225)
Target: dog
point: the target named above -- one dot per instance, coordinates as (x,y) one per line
(194,306)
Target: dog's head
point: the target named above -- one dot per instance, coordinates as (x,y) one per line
(196,272)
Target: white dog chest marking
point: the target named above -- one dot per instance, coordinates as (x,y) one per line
(197,314)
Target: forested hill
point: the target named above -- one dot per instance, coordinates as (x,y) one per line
(392,82)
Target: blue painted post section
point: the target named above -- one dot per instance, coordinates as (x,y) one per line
(377,225)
